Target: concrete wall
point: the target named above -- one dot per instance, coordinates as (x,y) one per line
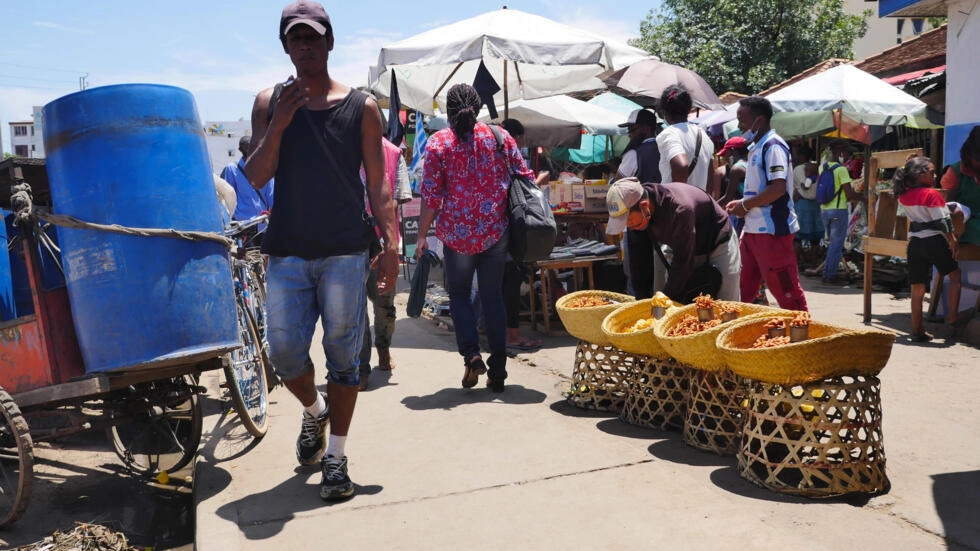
(882,31)
(962,76)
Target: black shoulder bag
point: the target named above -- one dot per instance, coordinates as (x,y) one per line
(532,224)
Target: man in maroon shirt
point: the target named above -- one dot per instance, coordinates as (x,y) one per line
(683,217)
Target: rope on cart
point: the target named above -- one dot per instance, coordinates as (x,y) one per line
(23,206)
(72,222)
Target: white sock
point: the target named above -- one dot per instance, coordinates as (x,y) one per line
(317,408)
(335,445)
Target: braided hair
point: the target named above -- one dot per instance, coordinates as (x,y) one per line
(675,103)
(462,106)
(907,177)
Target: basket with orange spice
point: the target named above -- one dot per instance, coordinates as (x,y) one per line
(812,351)
(688,333)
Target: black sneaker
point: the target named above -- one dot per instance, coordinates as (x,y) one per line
(335,484)
(495,385)
(312,441)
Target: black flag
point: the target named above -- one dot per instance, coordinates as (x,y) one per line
(486,86)
(395,129)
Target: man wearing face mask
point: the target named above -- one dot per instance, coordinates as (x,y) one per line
(770,219)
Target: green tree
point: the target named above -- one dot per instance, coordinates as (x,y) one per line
(749,45)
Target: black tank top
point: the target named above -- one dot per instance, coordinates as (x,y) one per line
(317,212)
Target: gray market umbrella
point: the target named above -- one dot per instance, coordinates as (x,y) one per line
(645,80)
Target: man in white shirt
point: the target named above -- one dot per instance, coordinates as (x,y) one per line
(686,150)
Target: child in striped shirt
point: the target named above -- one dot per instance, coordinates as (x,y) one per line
(931,239)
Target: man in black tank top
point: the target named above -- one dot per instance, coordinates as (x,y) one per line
(319,133)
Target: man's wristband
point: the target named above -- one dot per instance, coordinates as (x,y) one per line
(742,203)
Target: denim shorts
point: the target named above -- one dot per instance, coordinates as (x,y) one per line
(301,292)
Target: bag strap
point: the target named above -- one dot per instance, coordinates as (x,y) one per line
(697,152)
(500,145)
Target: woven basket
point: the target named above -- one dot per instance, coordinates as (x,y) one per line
(699,350)
(714,411)
(820,439)
(600,378)
(638,342)
(830,351)
(586,323)
(658,395)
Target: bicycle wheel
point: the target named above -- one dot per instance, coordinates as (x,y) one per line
(162,425)
(254,275)
(16,461)
(245,372)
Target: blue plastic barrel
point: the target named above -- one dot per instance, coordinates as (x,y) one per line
(135,155)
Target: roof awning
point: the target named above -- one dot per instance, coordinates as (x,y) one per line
(898,80)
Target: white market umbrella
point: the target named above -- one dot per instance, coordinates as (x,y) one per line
(529,57)
(560,121)
(809,106)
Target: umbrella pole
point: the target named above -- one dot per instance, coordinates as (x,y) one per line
(445,82)
(506,99)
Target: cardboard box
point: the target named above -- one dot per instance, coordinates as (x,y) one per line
(578,193)
(594,204)
(596,191)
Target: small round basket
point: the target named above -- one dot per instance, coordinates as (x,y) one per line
(819,439)
(586,323)
(601,375)
(658,394)
(831,351)
(616,325)
(699,350)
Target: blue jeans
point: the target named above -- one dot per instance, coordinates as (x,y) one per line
(489,269)
(835,222)
(299,293)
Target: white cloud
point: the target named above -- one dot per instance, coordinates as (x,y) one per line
(60,27)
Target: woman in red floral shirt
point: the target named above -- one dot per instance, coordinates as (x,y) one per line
(464,189)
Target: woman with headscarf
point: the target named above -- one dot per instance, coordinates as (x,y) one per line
(464,190)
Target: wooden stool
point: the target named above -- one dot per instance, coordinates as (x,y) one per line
(658,394)
(819,439)
(714,411)
(599,379)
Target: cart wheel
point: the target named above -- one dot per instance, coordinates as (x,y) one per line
(245,373)
(16,461)
(161,425)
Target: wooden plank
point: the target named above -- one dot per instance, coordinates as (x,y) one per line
(893,159)
(883,246)
(62,392)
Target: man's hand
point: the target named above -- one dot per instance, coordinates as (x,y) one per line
(386,262)
(736,208)
(420,247)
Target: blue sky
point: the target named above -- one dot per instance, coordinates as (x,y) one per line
(225,52)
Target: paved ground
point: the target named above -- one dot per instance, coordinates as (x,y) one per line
(440,467)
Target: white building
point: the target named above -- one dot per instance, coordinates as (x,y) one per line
(222,140)
(25,136)
(26,139)
(883,32)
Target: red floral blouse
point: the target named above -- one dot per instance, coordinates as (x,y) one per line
(467,183)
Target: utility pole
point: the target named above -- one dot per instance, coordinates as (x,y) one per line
(81,82)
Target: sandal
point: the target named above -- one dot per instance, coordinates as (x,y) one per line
(474,368)
(921,337)
(525,344)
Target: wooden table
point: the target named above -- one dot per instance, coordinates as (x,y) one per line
(578,264)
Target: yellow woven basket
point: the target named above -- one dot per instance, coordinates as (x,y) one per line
(586,323)
(643,342)
(831,351)
(699,350)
